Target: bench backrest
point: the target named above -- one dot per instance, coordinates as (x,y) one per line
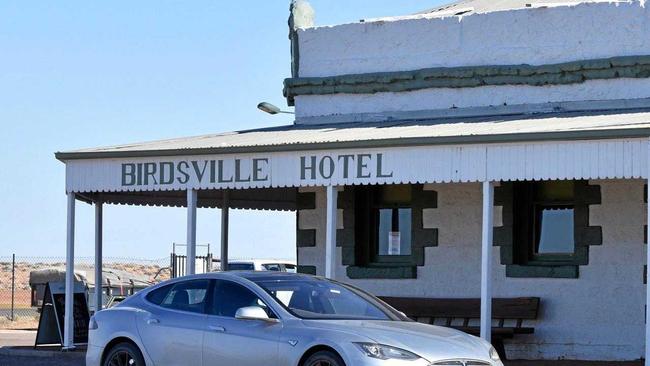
(522,308)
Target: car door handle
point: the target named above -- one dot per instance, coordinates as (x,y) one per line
(153,321)
(217,328)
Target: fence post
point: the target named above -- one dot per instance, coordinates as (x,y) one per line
(13,284)
(172,265)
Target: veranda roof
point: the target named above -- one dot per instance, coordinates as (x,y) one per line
(296,137)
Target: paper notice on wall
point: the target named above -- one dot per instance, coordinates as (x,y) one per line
(393,243)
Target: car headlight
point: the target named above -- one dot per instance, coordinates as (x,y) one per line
(384,352)
(494,355)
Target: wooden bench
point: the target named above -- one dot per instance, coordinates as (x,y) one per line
(509,315)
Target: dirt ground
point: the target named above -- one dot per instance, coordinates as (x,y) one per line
(21,322)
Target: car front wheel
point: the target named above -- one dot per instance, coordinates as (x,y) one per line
(124,354)
(324,358)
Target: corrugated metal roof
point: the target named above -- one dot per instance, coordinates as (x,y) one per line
(558,126)
(465,7)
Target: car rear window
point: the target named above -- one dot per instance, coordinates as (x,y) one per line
(187,296)
(158,295)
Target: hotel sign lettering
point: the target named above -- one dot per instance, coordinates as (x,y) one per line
(202,171)
(357,166)
(254,171)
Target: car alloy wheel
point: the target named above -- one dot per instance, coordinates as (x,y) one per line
(124,354)
(324,358)
(123,358)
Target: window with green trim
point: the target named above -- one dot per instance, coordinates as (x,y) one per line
(546,231)
(388,214)
(383,234)
(544,222)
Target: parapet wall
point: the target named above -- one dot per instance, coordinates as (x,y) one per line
(535,37)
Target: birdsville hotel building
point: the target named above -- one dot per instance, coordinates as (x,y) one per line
(482,150)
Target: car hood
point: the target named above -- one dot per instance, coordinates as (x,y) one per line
(431,342)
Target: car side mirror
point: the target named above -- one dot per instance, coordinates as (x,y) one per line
(253,313)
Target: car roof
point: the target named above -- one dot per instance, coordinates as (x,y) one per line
(247,275)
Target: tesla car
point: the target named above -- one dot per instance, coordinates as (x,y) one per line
(270,318)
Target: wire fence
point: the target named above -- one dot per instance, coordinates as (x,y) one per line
(19,299)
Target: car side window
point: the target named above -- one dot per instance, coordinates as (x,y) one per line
(228,297)
(158,295)
(187,296)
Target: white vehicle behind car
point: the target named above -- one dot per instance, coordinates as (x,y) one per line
(262,265)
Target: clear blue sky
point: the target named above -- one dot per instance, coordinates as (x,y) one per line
(79,74)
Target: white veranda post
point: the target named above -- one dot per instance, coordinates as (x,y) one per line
(98,255)
(486,261)
(68,321)
(224,230)
(330,240)
(191,232)
(647,308)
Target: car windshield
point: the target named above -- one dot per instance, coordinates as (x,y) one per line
(323,299)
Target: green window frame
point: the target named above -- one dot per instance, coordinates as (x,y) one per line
(532,200)
(363,251)
(524,204)
(371,203)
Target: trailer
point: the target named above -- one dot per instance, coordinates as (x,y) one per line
(116,284)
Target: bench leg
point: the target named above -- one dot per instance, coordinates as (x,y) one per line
(501,349)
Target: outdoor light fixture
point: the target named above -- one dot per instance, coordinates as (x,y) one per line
(270,108)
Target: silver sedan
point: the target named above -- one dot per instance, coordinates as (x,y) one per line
(274,319)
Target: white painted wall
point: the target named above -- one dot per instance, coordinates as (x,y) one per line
(533,36)
(597,316)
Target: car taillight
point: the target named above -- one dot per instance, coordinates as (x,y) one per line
(92,325)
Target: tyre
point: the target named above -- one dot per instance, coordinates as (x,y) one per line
(124,354)
(324,358)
